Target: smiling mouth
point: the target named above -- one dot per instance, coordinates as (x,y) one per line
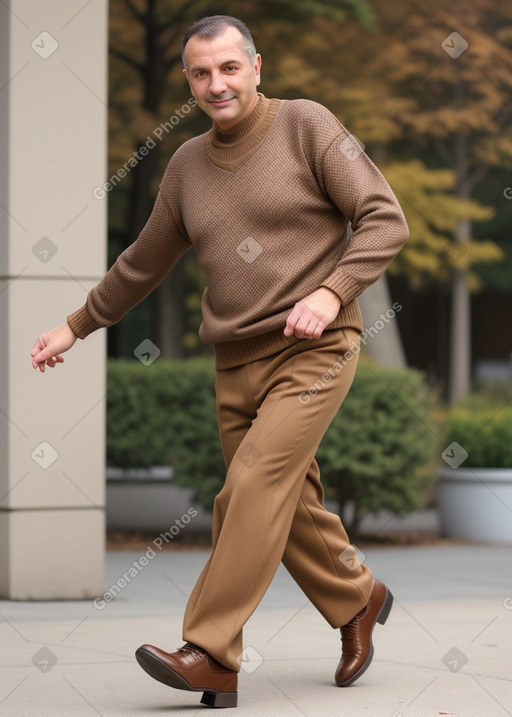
(221,103)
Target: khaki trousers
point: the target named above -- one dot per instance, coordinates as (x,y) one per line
(272,415)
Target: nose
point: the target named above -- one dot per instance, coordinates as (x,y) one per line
(217,84)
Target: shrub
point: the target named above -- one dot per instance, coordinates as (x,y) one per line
(484,432)
(494,391)
(165,414)
(378,451)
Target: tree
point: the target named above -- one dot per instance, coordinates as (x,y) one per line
(455,88)
(434,212)
(144,48)
(412,90)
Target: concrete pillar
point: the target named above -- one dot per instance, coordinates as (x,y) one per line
(53,97)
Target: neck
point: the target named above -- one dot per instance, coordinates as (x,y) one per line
(229,149)
(244,126)
(229,127)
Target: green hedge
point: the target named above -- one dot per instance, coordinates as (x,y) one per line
(165,414)
(377,452)
(484,431)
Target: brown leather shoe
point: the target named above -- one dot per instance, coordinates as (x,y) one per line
(356,636)
(191,668)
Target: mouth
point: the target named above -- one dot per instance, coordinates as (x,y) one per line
(221,103)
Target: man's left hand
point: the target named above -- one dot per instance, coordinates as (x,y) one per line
(311,315)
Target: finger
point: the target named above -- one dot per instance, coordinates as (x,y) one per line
(288,330)
(302,328)
(36,363)
(48,352)
(40,359)
(53,361)
(38,346)
(292,319)
(315,328)
(309,333)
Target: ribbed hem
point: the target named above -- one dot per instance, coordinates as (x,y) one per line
(235,353)
(345,286)
(81,322)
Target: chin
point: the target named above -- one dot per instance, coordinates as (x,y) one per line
(223,119)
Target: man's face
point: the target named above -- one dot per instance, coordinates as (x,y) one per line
(221,76)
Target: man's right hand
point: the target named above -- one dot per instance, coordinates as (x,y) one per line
(49,346)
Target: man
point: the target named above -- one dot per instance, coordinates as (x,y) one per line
(264,198)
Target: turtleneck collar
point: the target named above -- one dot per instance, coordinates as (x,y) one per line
(231,148)
(245,126)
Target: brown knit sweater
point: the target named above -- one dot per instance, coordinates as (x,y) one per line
(265,206)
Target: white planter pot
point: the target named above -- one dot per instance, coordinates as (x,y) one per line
(476,503)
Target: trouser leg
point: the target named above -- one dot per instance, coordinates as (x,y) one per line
(272,493)
(322,561)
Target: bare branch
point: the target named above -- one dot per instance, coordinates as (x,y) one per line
(178,17)
(139,67)
(161,29)
(131,7)
(443,151)
(172,62)
(477,175)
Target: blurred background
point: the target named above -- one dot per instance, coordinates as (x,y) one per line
(426,88)
(438,126)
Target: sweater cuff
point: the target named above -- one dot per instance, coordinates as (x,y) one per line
(81,322)
(345,286)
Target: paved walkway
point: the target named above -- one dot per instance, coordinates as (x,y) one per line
(446,648)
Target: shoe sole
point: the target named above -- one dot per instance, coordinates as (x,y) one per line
(158,670)
(381,619)
(161,672)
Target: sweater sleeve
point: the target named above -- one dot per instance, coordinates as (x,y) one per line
(135,274)
(358,189)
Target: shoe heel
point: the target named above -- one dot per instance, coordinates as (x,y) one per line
(219,699)
(385,609)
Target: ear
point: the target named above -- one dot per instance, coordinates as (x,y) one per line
(257,69)
(188,80)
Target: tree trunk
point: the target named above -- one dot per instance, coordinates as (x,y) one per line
(169,296)
(460,329)
(169,312)
(460,337)
(384,345)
